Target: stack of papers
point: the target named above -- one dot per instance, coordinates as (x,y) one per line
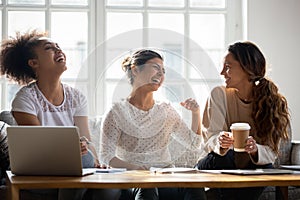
(110,170)
(292,167)
(173,170)
(249,171)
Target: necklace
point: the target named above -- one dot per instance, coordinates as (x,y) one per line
(244,100)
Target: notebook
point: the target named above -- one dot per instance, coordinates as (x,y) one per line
(291,167)
(173,170)
(250,171)
(41,150)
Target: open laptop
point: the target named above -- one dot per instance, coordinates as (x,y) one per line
(42,150)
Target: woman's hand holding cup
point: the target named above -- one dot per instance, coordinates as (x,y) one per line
(225,139)
(251,146)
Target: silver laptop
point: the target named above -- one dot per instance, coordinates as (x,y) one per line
(42,150)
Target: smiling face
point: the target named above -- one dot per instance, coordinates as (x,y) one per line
(49,60)
(235,76)
(151,75)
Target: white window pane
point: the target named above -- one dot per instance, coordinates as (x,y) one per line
(24,20)
(72,38)
(202,91)
(208,30)
(12,90)
(163,20)
(27,2)
(82,87)
(207,3)
(123,22)
(116,91)
(170,92)
(176,93)
(169,37)
(124,2)
(217,57)
(206,66)
(114,69)
(70,2)
(173,63)
(166,3)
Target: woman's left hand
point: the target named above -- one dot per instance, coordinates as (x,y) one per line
(101,166)
(84,145)
(251,146)
(191,104)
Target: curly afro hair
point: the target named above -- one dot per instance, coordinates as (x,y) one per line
(15,53)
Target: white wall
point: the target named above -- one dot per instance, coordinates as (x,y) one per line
(275,26)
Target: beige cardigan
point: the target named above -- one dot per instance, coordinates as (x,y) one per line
(224,108)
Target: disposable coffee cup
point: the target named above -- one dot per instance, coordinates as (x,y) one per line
(240,133)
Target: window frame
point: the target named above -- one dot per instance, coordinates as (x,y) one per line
(233,32)
(48,9)
(97,15)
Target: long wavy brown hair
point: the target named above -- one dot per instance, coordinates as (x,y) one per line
(270,110)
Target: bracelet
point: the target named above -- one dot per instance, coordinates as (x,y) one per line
(83,138)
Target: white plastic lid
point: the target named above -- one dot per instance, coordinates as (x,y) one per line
(240,126)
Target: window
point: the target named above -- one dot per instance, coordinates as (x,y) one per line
(97,35)
(23,15)
(192,34)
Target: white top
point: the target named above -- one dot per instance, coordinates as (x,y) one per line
(145,138)
(30,99)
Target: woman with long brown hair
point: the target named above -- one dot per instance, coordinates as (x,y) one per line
(248,97)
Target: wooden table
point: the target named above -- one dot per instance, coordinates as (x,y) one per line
(146,179)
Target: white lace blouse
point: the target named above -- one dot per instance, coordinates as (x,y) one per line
(146,138)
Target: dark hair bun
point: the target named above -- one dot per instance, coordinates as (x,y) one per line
(126,64)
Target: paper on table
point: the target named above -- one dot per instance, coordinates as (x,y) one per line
(173,170)
(249,171)
(110,170)
(292,167)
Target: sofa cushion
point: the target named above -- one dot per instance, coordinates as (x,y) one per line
(284,157)
(4,158)
(7,117)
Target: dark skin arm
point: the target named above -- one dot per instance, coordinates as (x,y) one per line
(26,119)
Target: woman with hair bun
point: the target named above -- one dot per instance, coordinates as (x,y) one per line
(137,132)
(248,97)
